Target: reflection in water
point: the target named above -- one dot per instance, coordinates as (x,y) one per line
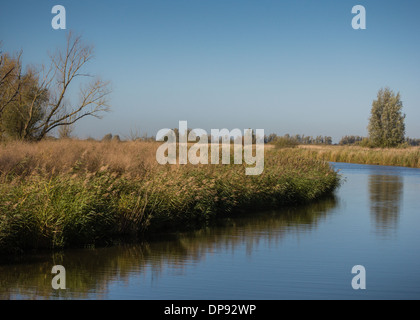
(385,200)
(90,272)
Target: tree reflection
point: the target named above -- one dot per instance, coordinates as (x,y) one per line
(385,202)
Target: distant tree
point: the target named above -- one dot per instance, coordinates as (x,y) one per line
(386,123)
(107,137)
(183,135)
(116,138)
(285,142)
(319,140)
(328,140)
(413,142)
(350,140)
(307,140)
(254,136)
(297,139)
(270,138)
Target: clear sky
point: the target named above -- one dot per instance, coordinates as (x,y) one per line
(285,66)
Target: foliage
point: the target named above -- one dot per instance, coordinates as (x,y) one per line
(386,124)
(19,119)
(412,142)
(299,139)
(350,140)
(284,142)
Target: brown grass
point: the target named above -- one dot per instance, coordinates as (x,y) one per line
(404,157)
(56,194)
(73,156)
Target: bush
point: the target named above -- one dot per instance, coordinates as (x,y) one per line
(365,143)
(283,142)
(107,137)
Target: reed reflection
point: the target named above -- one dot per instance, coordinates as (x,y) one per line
(91,271)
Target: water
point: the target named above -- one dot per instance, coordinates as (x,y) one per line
(305,253)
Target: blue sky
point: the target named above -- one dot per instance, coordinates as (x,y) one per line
(290,66)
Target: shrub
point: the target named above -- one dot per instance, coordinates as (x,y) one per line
(284,142)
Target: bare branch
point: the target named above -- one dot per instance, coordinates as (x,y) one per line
(40,98)
(67,67)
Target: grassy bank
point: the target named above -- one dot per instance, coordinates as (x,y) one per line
(403,157)
(58,194)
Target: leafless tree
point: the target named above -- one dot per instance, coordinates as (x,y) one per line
(67,68)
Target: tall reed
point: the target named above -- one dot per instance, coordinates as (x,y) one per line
(404,157)
(58,194)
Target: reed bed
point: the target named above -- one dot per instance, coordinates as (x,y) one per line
(59,194)
(403,157)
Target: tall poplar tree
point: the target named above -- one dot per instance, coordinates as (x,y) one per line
(386,123)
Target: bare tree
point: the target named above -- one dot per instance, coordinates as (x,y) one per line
(134,134)
(38,101)
(67,68)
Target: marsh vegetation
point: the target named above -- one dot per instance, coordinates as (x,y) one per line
(65,193)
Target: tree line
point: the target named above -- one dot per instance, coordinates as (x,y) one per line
(34,101)
(300,139)
(364,141)
(386,127)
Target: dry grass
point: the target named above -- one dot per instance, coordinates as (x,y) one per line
(133,159)
(74,156)
(404,157)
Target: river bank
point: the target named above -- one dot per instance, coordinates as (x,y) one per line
(61,194)
(397,157)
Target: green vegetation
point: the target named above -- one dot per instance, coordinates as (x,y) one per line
(386,124)
(58,194)
(298,139)
(386,128)
(285,142)
(351,140)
